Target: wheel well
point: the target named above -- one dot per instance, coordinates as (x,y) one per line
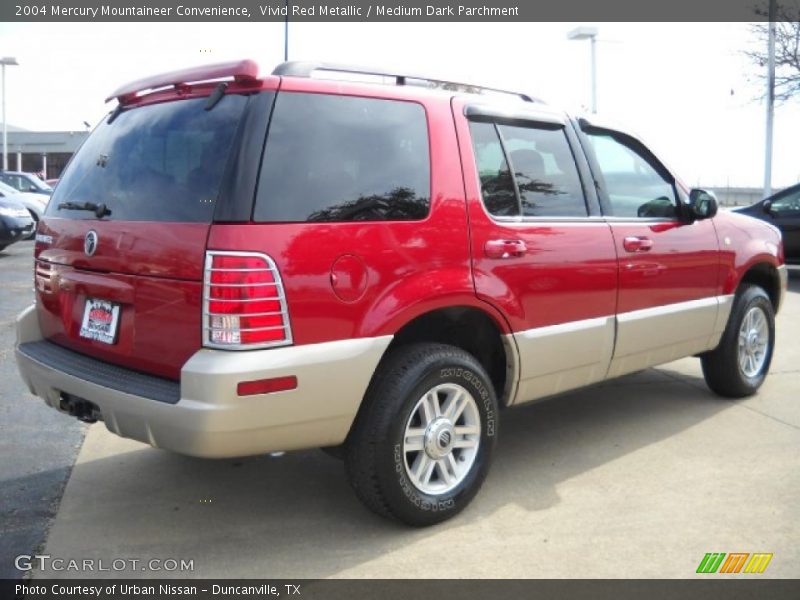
(766,277)
(468,328)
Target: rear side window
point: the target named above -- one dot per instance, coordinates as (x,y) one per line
(545,181)
(162,162)
(339,158)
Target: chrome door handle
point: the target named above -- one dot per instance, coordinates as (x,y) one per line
(505,248)
(637,244)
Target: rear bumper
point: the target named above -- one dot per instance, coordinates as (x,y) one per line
(209,419)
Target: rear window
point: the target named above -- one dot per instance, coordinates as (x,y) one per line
(162,162)
(338,158)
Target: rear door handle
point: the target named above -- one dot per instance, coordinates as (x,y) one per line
(505,248)
(637,244)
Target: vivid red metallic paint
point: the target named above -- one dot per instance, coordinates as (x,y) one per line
(568,272)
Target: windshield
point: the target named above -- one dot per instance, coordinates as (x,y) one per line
(41,185)
(162,162)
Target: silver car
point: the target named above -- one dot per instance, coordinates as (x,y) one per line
(35,203)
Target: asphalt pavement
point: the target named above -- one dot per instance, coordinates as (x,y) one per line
(37,445)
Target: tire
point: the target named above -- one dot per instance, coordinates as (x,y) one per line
(381,459)
(723,370)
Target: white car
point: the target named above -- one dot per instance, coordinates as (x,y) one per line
(35,203)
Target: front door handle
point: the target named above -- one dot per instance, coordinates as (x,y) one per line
(505,248)
(637,244)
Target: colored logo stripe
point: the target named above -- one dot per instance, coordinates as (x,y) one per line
(734,562)
(758,562)
(712,562)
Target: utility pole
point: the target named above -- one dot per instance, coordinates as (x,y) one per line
(770,99)
(286,34)
(594,73)
(6,61)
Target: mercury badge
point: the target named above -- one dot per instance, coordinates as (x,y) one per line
(90,243)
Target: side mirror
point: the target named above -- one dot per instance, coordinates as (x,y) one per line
(33,188)
(767,207)
(702,204)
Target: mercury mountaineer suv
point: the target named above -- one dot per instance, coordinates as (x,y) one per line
(374,262)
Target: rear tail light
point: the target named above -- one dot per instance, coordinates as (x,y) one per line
(244,305)
(42,277)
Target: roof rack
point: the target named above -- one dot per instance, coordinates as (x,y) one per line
(306,69)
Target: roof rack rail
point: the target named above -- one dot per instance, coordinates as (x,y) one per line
(305,69)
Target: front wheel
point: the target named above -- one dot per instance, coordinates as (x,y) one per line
(739,365)
(422,443)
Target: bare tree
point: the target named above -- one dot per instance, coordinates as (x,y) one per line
(787,48)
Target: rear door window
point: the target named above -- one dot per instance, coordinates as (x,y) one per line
(527,170)
(494,174)
(162,162)
(340,158)
(545,171)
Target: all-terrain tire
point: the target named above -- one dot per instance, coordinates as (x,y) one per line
(726,369)
(380,459)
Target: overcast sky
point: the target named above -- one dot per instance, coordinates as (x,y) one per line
(685,88)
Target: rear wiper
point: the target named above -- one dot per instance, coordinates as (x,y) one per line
(100,210)
(216,96)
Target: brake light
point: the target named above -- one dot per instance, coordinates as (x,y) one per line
(244,302)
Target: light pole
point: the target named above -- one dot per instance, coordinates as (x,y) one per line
(588,33)
(770,101)
(6,60)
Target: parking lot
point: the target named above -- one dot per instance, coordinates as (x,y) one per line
(639,477)
(37,445)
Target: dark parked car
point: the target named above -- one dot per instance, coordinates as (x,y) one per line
(15,222)
(783,211)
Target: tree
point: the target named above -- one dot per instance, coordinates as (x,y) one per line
(787,48)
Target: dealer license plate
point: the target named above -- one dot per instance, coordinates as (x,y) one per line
(100,320)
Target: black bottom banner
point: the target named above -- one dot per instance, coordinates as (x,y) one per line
(439,589)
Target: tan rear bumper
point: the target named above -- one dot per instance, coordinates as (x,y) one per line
(209,419)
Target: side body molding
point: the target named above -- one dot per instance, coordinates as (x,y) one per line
(558,358)
(661,334)
(563,357)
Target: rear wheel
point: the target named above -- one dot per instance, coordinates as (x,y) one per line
(421,446)
(739,365)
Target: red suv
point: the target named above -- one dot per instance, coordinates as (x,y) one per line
(234,264)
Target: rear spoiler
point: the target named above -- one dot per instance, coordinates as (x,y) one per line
(241,71)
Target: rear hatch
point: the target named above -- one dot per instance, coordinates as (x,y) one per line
(120,251)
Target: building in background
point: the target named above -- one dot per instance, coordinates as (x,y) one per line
(43,152)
